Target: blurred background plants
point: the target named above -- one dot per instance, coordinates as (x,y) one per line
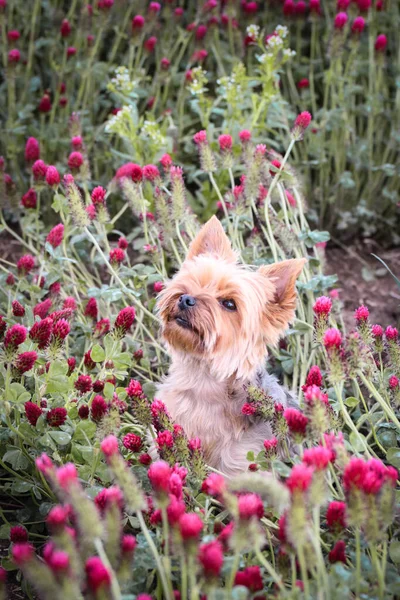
(179,68)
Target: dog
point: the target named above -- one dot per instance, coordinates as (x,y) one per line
(218,316)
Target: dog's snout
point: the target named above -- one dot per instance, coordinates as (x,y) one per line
(186,301)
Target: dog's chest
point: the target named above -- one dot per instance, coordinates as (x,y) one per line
(211,412)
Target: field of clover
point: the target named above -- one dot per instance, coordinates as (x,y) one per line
(124,126)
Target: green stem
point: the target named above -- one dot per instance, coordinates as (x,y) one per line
(156,555)
(115,589)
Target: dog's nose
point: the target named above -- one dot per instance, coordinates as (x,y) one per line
(186,301)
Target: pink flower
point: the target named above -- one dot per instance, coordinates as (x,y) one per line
(248,409)
(194,444)
(291,199)
(42,308)
(313,395)
(200,137)
(314,377)
(166,161)
(25,361)
(32,412)
(56,235)
(364,5)
(303,84)
(303,120)
(250,505)
(17,309)
(83,384)
(358,25)
(25,264)
(128,545)
(125,319)
(165,64)
(109,446)
(58,517)
(274,163)
(61,329)
(91,309)
(15,336)
(151,172)
(391,333)
(343,4)
(354,473)
(336,516)
(361,314)
(45,104)
(14,56)
(132,442)
(56,417)
(270,445)
(83,411)
(97,575)
(13,35)
(137,23)
(65,28)
(322,306)
(340,20)
(22,553)
(130,170)
(117,256)
(40,332)
(18,534)
(214,485)
(32,150)
(338,552)
(67,475)
(393,382)
(123,243)
(297,422)
(211,558)
(190,526)
(52,176)
(251,578)
(377,331)
(165,440)
(201,32)
(75,160)
(332,338)
(39,170)
(98,196)
(159,474)
(29,199)
(225,142)
(98,409)
(44,464)
(158,286)
(318,457)
(245,136)
(77,142)
(150,43)
(299,479)
(134,389)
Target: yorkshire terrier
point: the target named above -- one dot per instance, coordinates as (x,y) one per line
(217,318)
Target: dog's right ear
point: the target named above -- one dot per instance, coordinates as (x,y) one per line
(213,240)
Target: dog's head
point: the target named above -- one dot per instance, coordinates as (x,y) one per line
(223,312)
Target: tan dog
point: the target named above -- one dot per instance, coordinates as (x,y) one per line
(218,317)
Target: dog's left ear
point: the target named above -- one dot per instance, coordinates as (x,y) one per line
(213,240)
(281,278)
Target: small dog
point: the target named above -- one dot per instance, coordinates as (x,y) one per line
(217,318)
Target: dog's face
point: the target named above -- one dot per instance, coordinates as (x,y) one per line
(221,311)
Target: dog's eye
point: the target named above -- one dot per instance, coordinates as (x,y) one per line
(229,304)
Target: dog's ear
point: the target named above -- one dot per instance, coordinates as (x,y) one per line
(280,308)
(212,239)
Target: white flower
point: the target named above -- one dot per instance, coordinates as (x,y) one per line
(282,31)
(289,53)
(253,31)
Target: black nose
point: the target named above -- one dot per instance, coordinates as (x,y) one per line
(186,301)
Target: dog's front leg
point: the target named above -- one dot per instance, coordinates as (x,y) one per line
(233,457)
